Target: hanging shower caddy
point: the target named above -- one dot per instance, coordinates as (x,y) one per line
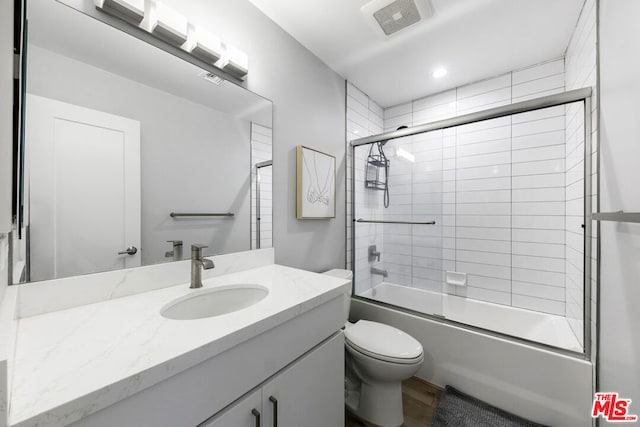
(377,168)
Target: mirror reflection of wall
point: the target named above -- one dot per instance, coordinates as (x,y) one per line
(118,139)
(261,187)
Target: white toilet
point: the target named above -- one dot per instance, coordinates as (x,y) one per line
(378,357)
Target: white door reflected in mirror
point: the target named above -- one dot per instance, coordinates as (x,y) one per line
(67,145)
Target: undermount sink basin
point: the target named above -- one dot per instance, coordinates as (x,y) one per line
(214,302)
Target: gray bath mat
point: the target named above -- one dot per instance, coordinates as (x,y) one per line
(457,409)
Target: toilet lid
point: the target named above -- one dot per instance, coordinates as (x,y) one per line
(384,340)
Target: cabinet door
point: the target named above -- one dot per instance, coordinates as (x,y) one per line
(310,392)
(246,412)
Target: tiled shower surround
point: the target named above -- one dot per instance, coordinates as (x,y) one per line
(505,193)
(364,118)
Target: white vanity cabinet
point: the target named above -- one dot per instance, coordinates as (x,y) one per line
(300,363)
(308,392)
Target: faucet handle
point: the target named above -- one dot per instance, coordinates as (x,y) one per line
(196,250)
(176,251)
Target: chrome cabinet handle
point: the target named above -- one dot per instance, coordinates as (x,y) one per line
(275,410)
(131,250)
(256,414)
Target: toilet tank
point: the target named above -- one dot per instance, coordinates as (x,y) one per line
(347,275)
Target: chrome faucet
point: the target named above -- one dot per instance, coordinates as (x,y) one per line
(176,251)
(382,273)
(198,263)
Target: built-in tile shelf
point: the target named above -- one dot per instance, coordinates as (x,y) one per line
(619,216)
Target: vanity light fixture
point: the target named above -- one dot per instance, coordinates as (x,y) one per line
(167,24)
(234,61)
(131,11)
(170,26)
(204,45)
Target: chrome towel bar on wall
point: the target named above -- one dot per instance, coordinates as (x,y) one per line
(187,214)
(395,222)
(619,216)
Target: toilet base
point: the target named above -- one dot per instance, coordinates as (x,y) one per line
(379,403)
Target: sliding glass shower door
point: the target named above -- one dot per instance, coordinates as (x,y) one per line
(398,189)
(482,219)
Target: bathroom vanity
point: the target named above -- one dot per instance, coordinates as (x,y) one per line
(109,357)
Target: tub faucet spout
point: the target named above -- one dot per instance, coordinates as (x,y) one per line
(379,271)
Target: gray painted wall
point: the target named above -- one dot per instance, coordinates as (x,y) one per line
(193,158)
(309,109)
(619,174)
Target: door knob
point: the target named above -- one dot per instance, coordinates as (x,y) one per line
(131,250)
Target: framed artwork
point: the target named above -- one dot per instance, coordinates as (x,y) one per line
(316,184)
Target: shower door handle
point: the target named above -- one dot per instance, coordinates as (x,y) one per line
(373,221)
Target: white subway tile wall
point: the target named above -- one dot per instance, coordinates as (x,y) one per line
(364,118)
(538,182)
(581,71)
(496,189)
(261,146)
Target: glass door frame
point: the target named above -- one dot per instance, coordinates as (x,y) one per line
(259,166)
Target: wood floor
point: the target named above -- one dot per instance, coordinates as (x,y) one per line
(419,400)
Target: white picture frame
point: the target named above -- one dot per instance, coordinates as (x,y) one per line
(316,184)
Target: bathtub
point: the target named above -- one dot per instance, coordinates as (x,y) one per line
(534,326)
(550,387)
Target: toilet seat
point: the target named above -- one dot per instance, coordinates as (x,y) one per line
(383,358)
(383,342)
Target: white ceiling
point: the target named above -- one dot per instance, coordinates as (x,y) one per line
(473,39)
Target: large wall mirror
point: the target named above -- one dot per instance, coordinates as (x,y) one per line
(118,136)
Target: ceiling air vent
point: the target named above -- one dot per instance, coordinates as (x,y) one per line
(391,16)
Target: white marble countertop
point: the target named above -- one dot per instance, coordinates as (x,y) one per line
(74,362)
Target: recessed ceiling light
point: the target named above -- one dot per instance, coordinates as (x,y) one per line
(439,72)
